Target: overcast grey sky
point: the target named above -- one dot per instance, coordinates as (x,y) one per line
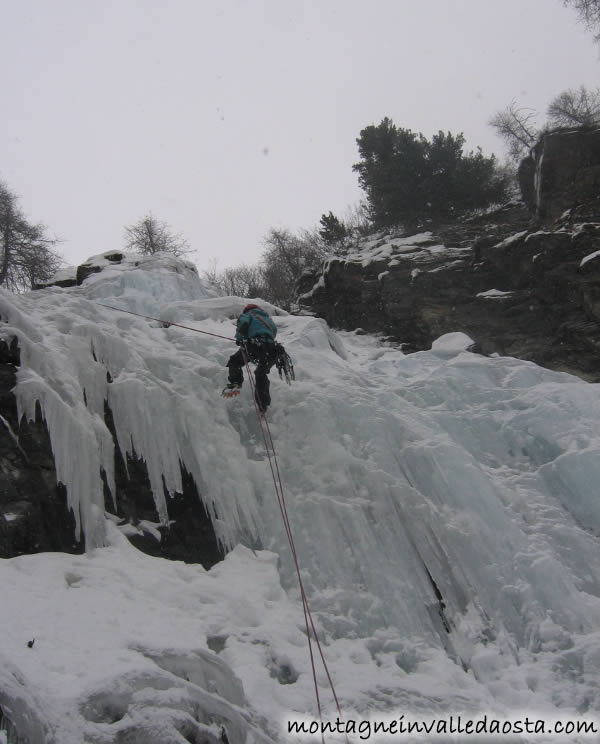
(229,117)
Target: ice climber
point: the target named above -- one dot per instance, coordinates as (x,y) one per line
(255,334)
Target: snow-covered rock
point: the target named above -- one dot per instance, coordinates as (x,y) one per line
(415,288)
(443,506)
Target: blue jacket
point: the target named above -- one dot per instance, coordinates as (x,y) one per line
(255,324)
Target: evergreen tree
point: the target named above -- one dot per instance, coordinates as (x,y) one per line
(442,173)
(390,171)
(333,232)
(408,179)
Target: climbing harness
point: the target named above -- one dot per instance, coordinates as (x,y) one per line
(284,366)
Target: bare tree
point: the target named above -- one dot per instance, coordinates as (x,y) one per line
(149,235)
(28,257)
(211,273)
(516,126)
(242,281)
(282,265)
(285,258)
(286,255)
(356,219)
(588,12)
(575,108)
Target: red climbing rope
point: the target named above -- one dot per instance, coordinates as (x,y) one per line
(166,322)
(277,482)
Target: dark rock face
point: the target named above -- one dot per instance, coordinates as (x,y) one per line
(81,272)
(90,267)
(190,535)
(514,289)
(35,517)
(526,179)
(562,171)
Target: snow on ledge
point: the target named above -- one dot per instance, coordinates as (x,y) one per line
(512,239)
(494,293)
(588,258)
(66,274)
(541,233)
(452,343)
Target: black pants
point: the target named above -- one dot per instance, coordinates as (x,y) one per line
(261,354)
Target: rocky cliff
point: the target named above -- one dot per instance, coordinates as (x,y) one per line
(563,170)
(34,516)
(520,280)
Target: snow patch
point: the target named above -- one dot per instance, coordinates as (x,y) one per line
(452,343)
(512,239)
(541,233)
(494,293)
(67,274)
(589,257)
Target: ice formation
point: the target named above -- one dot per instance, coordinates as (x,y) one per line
(444,507)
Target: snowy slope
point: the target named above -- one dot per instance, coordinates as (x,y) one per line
(444,508)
